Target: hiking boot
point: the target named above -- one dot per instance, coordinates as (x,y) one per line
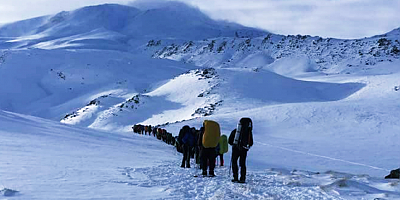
(187,164)
(204,173)
(211,174)
(235,180)
(242,180)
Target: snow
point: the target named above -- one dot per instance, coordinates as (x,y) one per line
(73,84)
(44,159)
(65,80)
(55,161)
(293,66)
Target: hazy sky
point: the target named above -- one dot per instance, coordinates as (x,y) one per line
(326,18)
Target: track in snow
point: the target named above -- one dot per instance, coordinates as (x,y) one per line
(179,183)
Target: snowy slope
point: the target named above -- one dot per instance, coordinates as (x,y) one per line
(51,84)
(42,159)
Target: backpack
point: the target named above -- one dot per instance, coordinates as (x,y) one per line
(188,139)
(243,133)
(223,144)
(211,135)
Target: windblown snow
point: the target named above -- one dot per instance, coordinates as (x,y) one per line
(325,111)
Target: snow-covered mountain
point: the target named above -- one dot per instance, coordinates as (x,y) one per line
(112,26)
(320,105)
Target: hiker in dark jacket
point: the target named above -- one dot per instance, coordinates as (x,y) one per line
(240,145)
(193,148)
(186,138)
(197,147)
(200,146)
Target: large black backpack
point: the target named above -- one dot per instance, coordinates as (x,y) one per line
(245,131)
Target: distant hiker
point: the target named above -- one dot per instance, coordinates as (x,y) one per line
(194,132)
(241,140)
(141,128)
(170,139)
(199,156)
(138,128)
(210,140)
(135,128)
(198,145)
(154,131)
(178,145)
(223,148)
(164,135)
(159,131)
(187,139)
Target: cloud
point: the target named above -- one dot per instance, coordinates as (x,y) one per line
(326,18)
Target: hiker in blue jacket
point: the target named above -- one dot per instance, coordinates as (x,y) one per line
(187,139)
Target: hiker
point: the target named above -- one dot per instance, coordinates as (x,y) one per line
(194,132)
(159,133)
(170,139)
(178,145)
(186,138)
(241,139)
(141,129)
(223,148)
(149,129)
(210,141)
(164,135)
(198,146)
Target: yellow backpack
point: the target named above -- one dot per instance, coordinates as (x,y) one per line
(212,134)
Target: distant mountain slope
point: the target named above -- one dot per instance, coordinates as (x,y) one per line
(52,83)
(24,27)
(326,55)
(124,26)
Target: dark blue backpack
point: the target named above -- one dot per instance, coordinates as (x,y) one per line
(188,139)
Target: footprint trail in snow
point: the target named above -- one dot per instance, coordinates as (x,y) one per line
(179,183)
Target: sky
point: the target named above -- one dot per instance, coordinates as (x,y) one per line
(326,18)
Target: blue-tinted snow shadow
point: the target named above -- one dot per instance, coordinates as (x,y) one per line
(271,87)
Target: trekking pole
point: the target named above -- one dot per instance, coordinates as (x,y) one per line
(230,166)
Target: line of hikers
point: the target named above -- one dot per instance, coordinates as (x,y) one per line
(159,133)
(207,143)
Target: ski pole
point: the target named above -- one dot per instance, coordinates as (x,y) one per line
(230,166)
